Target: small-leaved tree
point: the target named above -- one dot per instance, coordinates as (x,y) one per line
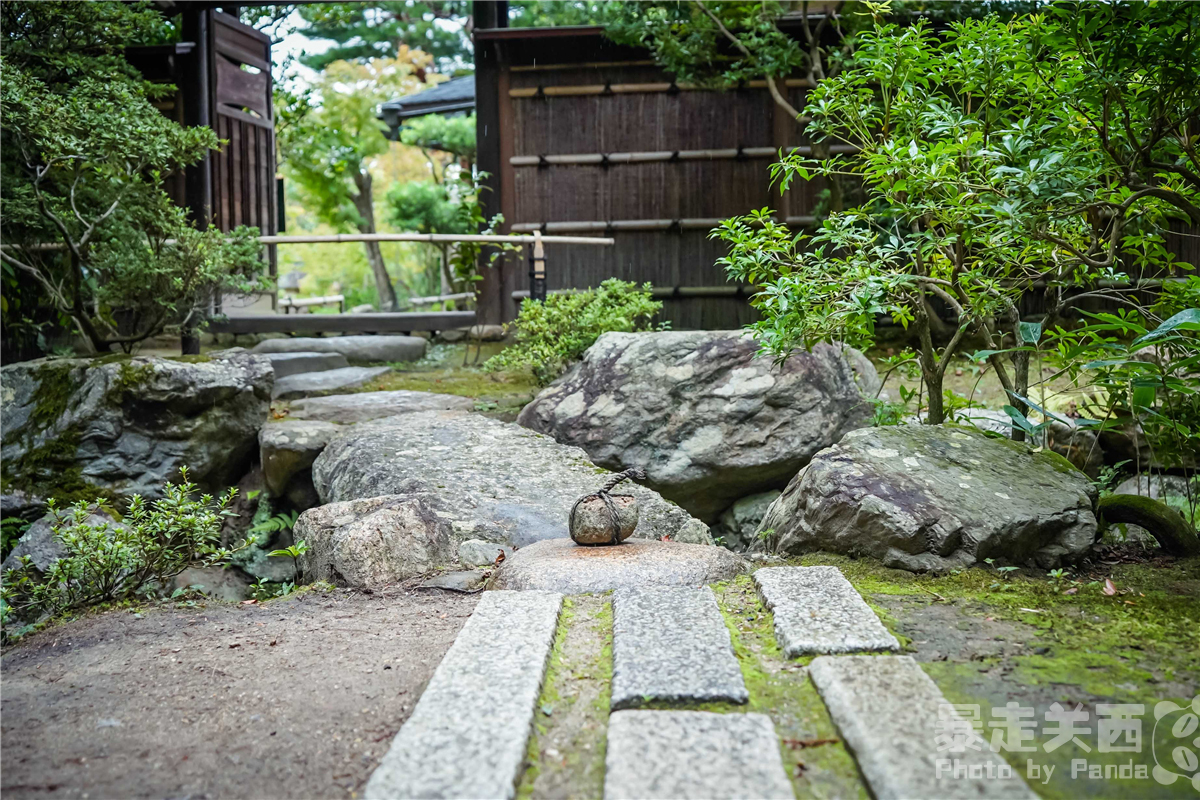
(992,169)
(84,155)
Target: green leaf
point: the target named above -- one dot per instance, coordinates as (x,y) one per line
(1031,332)
(1188,319)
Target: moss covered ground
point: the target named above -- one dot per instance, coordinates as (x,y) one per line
(1119,633)
(499,394)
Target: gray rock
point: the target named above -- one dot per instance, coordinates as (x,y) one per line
(671,644)
(469,581)
(22,504)
(737,525)
(126,425)
(40,544)
(561,565)
(289,447)
(363,406)
(1156,486)
(286,364)
(709,419)
(306,384)
(491,480)
(934,497)
(468,733)
(354,348)
(693,755)
(478,553)
(890,715)
(372,542)
(230,585)
(816,610)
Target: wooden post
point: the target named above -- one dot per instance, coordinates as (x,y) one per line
(537,268)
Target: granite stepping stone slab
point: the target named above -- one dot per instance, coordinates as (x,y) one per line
(671,644)
(680,755)
(818,611)
(560,565)
(467,736)
(304,384)
(890,715)
(355,348)
(286,364)
(363,406)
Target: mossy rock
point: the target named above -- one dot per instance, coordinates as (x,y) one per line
(110,427)
(1164,523)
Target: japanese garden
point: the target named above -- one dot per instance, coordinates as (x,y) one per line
(624,400)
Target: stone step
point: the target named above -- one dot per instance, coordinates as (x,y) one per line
(818,611)
(679,755)
(355,348)
(304,384)
(286,364)
(468,734)
(363,406)
(671,644)
(891,716)
(560,565)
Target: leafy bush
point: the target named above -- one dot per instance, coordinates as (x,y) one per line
(152,544)
(553,334)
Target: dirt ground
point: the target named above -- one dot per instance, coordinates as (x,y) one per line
(296,698)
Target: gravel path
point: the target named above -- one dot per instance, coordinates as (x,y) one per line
(294,698)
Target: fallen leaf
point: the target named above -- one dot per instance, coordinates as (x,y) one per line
(235,644)
(1032,610)
(800,744)
(1072,590)
(1130,603)
(666,537)
(499,559)
(249,602)
(273,642)
(1110,588)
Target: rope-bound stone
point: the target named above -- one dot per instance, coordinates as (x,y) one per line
(603,517)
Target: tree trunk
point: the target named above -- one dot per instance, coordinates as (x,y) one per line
(365,205)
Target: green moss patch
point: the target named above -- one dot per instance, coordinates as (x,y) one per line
(565,756)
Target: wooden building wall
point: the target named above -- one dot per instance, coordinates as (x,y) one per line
(523,117)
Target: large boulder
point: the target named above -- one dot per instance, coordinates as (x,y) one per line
(706,416)
(354,348)
(490,480)
(923,497)
(372,542)
(75,428)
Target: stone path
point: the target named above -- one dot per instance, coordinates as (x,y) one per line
(890,712)
(679,755)
(303,384)
(671,644)
(818,611)
(467,735)
(286,364)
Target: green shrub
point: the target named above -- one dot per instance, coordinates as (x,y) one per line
(152,544)
(553,334)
